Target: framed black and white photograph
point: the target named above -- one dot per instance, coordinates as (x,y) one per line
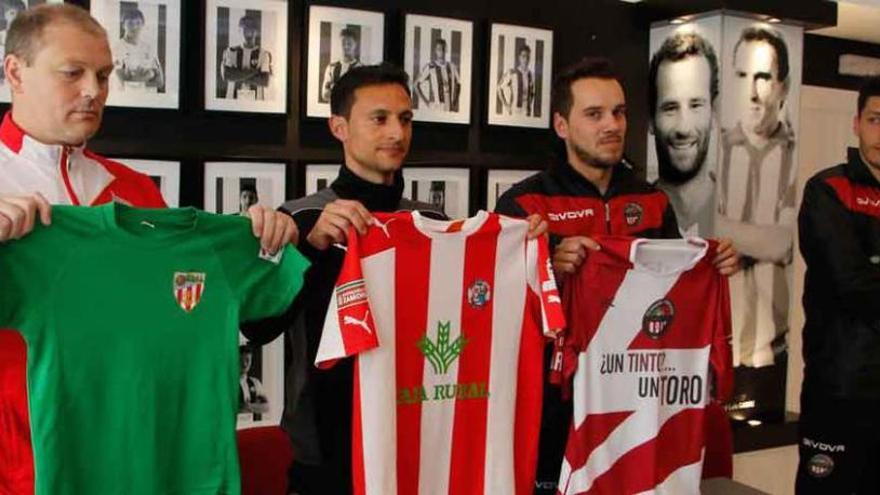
(8,10)
(165,174)
(520,72)
(499,181)
(233,187)
(437,57)
(260,383)
(446,188)
(246,56)
(145,45)
(320,177)
(339,39)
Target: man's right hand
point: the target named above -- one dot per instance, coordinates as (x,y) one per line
(571,253)
(333,224)
(18,214)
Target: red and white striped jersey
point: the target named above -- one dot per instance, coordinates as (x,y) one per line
(447,320)
(647,318)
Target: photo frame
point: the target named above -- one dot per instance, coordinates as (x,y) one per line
(12,12)
(320,176)
(520,75)
(165,174)
(500,180)
(261,384)
(339,39)
(445,188)
(438,57)
(232,187)
(145,45)
(246,55)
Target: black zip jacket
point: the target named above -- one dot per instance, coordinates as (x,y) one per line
(839,228)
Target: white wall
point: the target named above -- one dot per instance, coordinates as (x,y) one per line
(825,133)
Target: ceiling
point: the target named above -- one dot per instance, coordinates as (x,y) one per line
(856,20)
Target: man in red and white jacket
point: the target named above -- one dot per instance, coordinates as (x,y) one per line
(57,65)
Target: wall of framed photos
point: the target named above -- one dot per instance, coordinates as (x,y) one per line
(193,135)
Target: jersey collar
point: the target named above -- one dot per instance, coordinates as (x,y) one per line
(17,141)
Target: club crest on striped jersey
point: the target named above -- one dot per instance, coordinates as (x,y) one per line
(479,294)
(632,213)
(442,353)
(657,318)
(188,289)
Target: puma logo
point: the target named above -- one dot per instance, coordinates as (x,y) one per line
(383,226)
(351,320)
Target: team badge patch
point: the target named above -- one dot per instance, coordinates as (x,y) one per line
(820,466)
(479,294)
(657,318)
(632,213)
(188,289)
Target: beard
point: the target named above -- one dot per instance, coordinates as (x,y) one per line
(671,173)
(593,160)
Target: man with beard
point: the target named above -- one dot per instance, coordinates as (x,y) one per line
(682,87)
(590,192)
(247,68)
(756,196)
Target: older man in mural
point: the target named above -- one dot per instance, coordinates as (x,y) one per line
(756,195)
(682,88)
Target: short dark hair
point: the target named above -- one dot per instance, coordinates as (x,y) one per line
(132,14)
(675,48)
(523,48)
(342,94)
(25,35)
(348,32)
(440,41)
(249,21)
(586,68)
(773,38)
(870,87)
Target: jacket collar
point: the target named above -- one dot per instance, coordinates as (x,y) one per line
(858,170)
(375,197)
(19,142)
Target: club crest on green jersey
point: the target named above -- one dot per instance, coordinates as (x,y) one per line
(188,289)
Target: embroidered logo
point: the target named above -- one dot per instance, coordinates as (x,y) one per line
(657,318)
(479,294)
(188,289)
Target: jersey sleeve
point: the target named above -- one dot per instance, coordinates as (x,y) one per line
(270,283)
(543,284)
(349,327)
(721,354)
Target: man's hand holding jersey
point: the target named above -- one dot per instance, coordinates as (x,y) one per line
(274,229)
(19,213)
(335,220)
(727,259)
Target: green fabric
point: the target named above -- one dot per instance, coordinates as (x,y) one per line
(129,393)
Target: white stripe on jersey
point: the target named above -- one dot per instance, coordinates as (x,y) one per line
(446,280)
(379,397)
(507,312)
(680,482)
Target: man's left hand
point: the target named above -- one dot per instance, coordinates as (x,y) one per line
(727,260)
(537,226)
(275,229)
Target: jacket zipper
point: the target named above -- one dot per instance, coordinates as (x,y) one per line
(607,217)
(64,165)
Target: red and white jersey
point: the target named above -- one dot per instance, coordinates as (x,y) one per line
(647,318)
(68,175)
(448,322)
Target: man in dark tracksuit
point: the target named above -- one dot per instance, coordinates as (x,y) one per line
(839,226)
(593,192)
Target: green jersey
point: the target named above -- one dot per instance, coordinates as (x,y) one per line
(131,320)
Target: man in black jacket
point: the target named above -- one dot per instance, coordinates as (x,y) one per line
(840,239)
(591,192)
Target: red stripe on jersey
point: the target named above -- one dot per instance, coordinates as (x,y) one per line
(469,429)
(592,432)
(412,321)
(633,213)
(644,467)
(529,395)
(16,455)
(358,475)
(856,197)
